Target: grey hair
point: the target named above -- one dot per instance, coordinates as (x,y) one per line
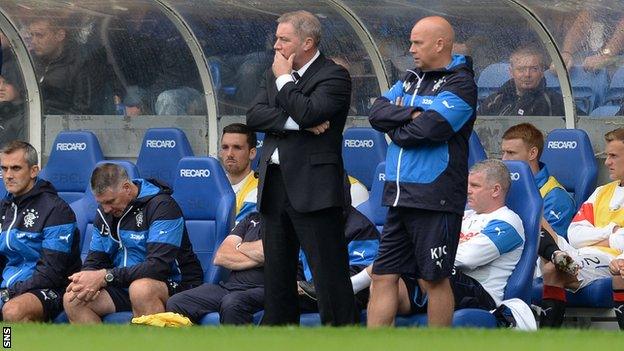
(495,172)
(305,23)
(30,154)
(107,176)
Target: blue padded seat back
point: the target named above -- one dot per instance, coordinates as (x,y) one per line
(203,237)
(362,150)
(207,201)
(615,94)
(476,153)
(492,78)
(85,208)
(524,199)
(605,111)
(72,158)
(372,208)
(161,150)
(570,158)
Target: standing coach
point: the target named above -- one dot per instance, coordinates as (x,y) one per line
(302,107)
(428,115)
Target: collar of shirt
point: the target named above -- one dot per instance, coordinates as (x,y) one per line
(301,71)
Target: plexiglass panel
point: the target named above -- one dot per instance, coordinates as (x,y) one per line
(590,37)
(107,58)
(13,96)
(237,38)
(501,42)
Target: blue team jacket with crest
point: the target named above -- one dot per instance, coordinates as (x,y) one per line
(427,160)
(39,240)
(148,241)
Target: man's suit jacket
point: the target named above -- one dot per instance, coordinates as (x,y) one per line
(311,165)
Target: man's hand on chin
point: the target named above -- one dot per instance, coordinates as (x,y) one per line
(282,65)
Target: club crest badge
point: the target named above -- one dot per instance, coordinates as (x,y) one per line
(30,215)
(438,84)
(139,218)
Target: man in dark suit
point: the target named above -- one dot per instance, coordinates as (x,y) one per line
(302,106)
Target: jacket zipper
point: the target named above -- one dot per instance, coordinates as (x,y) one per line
(121,246)
(11,225)
(125,262)
(398,171)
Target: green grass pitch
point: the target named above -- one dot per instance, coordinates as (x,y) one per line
(128,337)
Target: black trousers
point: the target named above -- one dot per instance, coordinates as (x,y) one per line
(321,235)
(236,305)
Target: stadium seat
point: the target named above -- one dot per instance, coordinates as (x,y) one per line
(259,142)
(492,78)
(215,319)
(86,207)
(588,88)
(362,150)
(598,294)
(524,199)
(605,111)
(72,158)
(3,191)
(161,150)
(566,147)
(476,152)
(615,94)
(372,207)
(205,195)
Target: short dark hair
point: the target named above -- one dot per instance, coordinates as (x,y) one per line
(240,128)
(107,175)
(529,51)
(30,154)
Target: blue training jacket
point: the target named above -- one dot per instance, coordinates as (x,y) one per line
(148,241)
(39,240)
(427,160)
(559,207)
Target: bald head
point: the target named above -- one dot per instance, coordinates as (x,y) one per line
(432,43)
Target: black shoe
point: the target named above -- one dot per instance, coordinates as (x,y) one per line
(308,289)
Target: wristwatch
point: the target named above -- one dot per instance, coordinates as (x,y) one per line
(606,52)
(109,277)
(4,295)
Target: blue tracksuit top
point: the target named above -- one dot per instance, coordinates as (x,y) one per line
(427,160)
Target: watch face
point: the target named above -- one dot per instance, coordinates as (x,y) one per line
(109,277)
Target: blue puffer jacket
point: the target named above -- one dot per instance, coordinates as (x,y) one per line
(39,241)
(427,161)
(148,241)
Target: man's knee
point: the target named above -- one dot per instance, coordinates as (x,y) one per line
(231,303)
(175,303)
(146,289)
(13,312)
(384,279)
(433,285)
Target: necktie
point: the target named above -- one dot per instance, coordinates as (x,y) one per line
(296,76)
